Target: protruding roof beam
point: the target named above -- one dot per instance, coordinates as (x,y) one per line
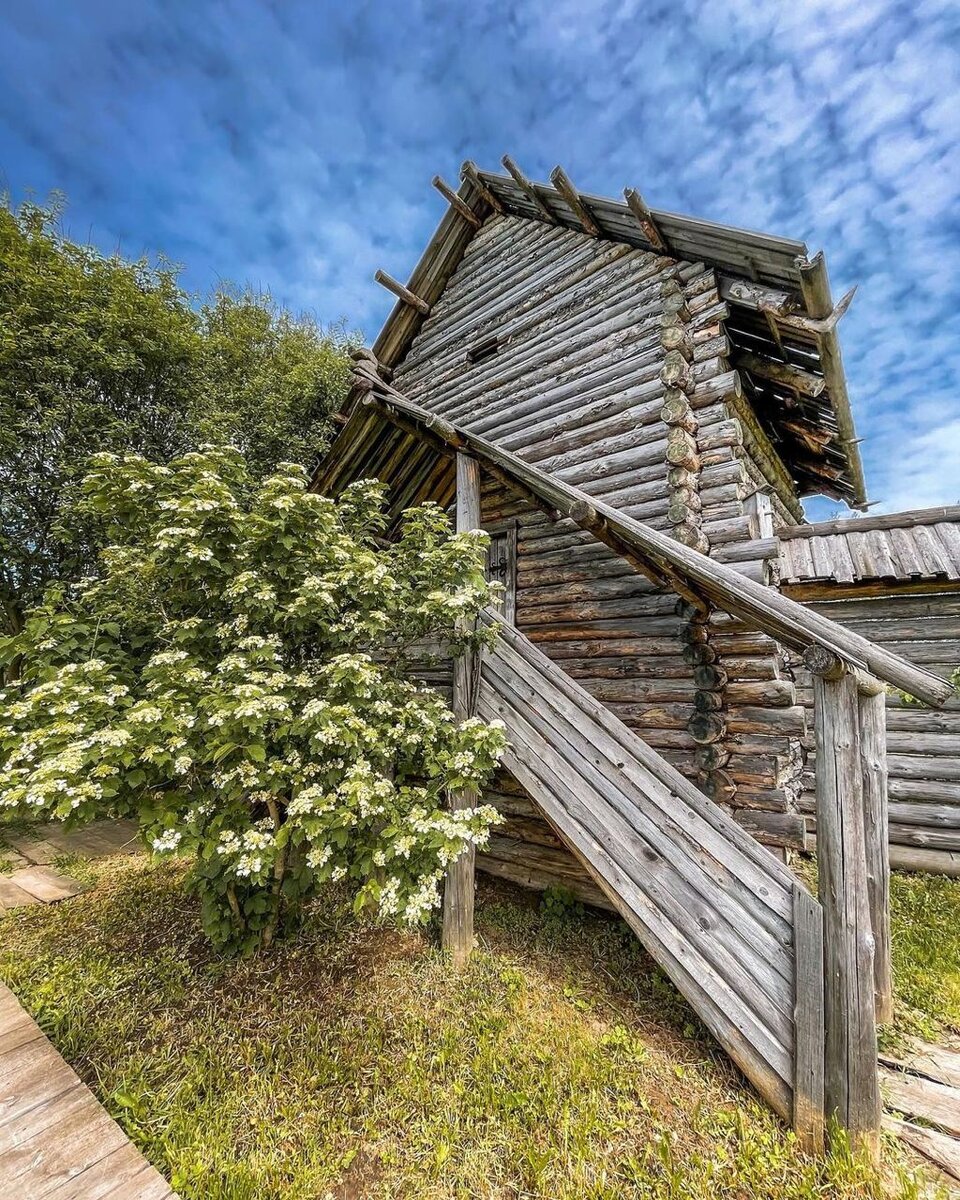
(527,187)
(651,231)
(756,296)
(564,185)
(817,325)
(403,293)
(815,287)
(470,172)
(457,202)
(785,374)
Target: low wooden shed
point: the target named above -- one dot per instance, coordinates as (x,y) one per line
(894,578)
(633,404)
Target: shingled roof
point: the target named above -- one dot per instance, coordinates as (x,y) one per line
(920,546)
(781,325)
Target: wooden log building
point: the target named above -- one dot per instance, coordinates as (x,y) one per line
(633,404)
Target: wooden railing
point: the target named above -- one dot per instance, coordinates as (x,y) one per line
(726,920)
(839,947)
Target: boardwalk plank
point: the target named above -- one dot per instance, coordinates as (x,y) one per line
(124,1174)
(45,884)
(918,1097)
(12,896)
(940,1148)
(56,1141)
(48,1160)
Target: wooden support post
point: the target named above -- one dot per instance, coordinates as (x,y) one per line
(457,935)
(873,761)
(808,1058)
(851,1082)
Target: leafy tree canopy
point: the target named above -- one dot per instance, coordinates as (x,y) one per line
(237,678)
(98,353)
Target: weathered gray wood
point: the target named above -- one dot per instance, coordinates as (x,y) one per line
(938,1063)
(924,1098)
(56,1141)
(404,293)
(564,185)
(872,718)
(458,891)
(851,1087)
(529,189)
(939,1148)
(787,621)
(808,1100)
(549,787)
(457,202)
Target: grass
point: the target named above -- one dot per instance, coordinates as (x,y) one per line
(925,923)
(354,1063)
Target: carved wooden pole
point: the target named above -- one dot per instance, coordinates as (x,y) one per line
(851,1083)
(873,760)
(457,935)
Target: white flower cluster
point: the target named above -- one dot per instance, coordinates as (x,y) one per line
(167,842)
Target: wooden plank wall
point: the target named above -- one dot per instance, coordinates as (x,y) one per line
(923,746)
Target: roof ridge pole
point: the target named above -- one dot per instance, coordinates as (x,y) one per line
(529,189)
(645,219)
(564,185)
(457,202)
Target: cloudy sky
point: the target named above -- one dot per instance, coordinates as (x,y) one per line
(290,145)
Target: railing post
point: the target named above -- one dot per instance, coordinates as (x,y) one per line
(458,891)
(873,759)
(851,1082)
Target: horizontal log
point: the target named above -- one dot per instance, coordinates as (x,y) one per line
(775,615)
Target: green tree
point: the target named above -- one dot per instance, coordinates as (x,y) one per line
(237,677)
(98,353)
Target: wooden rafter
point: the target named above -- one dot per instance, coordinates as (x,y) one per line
(470,172)
(796,379)
(457,202)
(565,186)
(530,191)
(645,219)
(402,293)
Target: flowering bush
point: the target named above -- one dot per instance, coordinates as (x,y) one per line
(237,677)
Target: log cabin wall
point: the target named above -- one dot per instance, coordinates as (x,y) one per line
(607,365)
(923,747)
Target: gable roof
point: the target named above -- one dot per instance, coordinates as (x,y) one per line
(781,323)
(387,428)
(920,546)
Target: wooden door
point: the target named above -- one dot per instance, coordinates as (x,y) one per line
(502,567)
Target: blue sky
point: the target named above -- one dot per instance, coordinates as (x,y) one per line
(291,145)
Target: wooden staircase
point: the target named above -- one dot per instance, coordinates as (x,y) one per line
(726,920)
